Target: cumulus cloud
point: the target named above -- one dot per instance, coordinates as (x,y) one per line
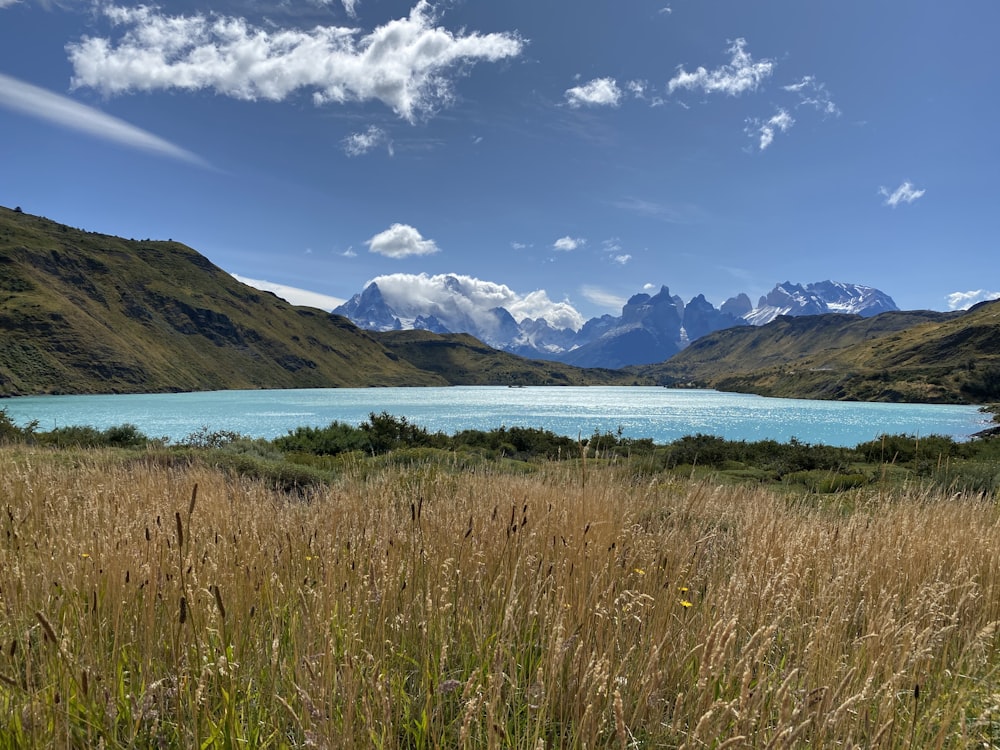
(600,92)
(603,298)
(401,241)
(65,112)
(407,64)
(293,295)
(905,193)
(358,144)
(740,75)
(458,300)
(965,300)
(566,244)
(780,121)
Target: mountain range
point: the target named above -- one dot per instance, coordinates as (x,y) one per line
(82,312)
(651,328)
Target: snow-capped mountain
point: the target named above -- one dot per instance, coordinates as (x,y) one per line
(651,328)
(816,299)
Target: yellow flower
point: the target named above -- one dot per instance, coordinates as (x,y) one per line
(683,589)
(639,572)
(84,555)
(685,603)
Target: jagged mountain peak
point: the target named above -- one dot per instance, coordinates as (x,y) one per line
(651,326)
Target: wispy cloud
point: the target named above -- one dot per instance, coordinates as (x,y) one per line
(674,213)
(401,241)
(905,193)
(61,110)
(965,300)
(408,64)
(358,144)
(567,243)
(600,92)
(812,93)
(351,6)
(603,298)
(616,254)
(8,3)
(292,294)
(741,74)
(780,121)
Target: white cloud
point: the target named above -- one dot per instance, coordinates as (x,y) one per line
(781,120)
(600,92)
(401,241)
(458,299)
(293,295)
(351,6)
(63,111)
(8,3)
(407,64)
(812,93)
(358,144)
(965,300)
(905,193)
(566,244)
(613,248)
(740,75)
(637,88)
(603,298)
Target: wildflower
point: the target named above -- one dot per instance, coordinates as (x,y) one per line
(84,555)
(639,571)
(685,603)
(683,589)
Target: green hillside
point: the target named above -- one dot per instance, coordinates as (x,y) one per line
(918,356)
(82,312)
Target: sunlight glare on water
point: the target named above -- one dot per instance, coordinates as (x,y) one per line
(640,412)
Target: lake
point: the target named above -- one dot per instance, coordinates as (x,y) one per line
(662,414)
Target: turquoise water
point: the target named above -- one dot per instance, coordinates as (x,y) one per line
(641,412)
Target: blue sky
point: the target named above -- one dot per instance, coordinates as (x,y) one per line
(566,154)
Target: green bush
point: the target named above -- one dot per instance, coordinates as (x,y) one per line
(79,436)
(10,432)
(335,438)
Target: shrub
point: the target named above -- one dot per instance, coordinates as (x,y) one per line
(10,432)
(335,438)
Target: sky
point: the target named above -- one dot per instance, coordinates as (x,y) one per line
(558,156)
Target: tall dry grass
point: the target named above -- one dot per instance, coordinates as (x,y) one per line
(148,606)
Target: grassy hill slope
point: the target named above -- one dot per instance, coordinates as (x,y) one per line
(899,356)
(83,312)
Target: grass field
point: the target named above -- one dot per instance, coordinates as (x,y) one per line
(148,603)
